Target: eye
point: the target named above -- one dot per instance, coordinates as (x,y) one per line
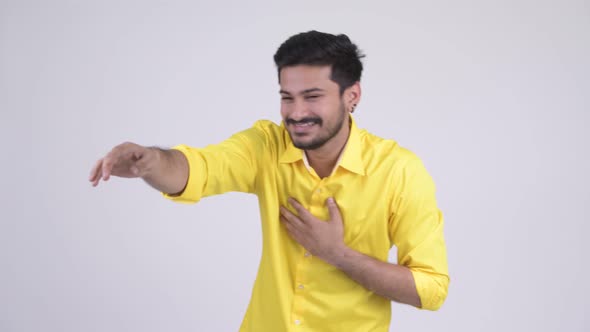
(312,97)
(286,98)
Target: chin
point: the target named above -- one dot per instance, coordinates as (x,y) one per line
(308,145)
(301,145)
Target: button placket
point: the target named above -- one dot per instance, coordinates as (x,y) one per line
(317,207)
(299,294)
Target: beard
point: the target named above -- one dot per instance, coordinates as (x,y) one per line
(323,136)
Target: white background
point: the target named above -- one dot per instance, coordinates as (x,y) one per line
(494,96)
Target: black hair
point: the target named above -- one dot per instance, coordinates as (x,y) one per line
(319,48)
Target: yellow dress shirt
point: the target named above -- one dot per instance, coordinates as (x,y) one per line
(385,195)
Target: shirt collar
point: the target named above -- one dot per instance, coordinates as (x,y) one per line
(350,158)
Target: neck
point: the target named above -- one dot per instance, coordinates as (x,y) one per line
(323,159)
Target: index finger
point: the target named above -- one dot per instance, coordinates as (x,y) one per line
(95,172)
(110,160)
(299,208)
(107,165)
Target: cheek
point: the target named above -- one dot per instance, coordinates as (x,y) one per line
(284,111)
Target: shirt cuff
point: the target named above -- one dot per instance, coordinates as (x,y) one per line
(197,176)
(432,289)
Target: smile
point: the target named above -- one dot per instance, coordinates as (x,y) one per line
(304,124)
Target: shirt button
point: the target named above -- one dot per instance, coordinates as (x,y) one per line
(300,286)
(307,254)
(297,322)
(319,191)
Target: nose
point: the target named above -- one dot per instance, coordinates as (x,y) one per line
(299,110)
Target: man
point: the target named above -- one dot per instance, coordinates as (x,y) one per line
(333,199)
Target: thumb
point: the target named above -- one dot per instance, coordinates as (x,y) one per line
(134,169)
(333,209)
(141,163)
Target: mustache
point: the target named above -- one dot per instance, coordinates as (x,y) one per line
(290,121)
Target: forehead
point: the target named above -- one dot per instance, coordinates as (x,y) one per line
(294,79)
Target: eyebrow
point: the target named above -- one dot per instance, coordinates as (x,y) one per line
(302,92)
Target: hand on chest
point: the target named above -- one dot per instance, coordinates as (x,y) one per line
(364,208)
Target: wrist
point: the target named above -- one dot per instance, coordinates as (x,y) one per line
(155,156)
(339,256)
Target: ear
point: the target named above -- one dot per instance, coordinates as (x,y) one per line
(352,96)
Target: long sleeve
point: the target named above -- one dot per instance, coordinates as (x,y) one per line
(416,228)
(231,165)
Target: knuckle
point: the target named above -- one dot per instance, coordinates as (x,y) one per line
(128,145)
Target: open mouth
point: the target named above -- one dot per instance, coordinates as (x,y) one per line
(303,127)
(304,124)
